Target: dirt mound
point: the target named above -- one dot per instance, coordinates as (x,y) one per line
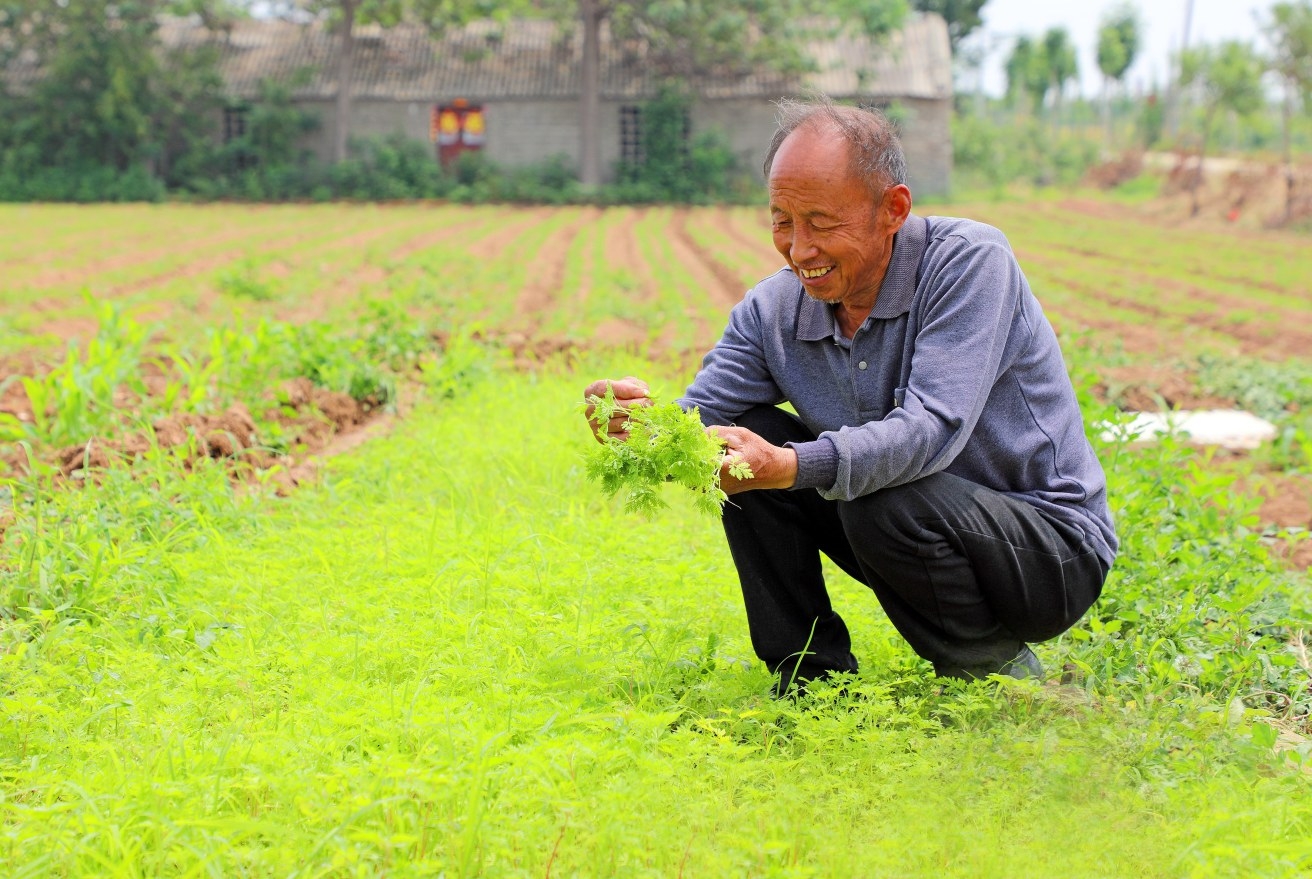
(209,436)
(1150,389)
(1110,175)
(306,419)
(1233,192)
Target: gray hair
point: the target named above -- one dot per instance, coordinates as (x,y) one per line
(876,152)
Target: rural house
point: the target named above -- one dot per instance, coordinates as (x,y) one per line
(512,90)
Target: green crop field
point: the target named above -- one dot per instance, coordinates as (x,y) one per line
(301,576)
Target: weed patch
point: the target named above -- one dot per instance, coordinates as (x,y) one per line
(455,656)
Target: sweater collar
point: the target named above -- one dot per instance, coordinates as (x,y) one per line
(815,319)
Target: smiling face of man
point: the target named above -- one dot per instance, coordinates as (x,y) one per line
(835,233)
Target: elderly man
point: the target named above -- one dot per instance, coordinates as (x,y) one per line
(937,455)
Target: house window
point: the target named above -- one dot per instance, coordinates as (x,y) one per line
(235,128)
(631,152)
(234,123)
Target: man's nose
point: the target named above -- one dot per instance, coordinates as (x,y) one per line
(803,245)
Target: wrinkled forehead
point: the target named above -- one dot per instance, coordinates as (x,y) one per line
(815,153)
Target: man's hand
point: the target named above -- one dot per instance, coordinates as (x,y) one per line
(629,392)
(772,466)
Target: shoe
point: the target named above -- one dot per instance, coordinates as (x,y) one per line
(1023,665)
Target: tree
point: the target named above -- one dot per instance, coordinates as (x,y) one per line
(1027,72)
(1290,32)
(1059,57)
(107,95)
(1229,76)
(689,39)
(344,15)
(962,16)
(1118,43)
(684,38)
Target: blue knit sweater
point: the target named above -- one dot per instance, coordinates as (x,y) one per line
(956,369)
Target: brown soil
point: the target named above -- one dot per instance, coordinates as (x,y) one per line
(13,399)
(722,282)
(622,243)
(622,247)
(1279,333)
(88,273)
(455,227)
(1240,196)
(1287,503)
(505,234)
(757,240)
(548,275)
(362,282)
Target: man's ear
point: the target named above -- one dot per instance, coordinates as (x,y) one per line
(896,205)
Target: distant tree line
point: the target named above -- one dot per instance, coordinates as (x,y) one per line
(94,107)
(1209,82)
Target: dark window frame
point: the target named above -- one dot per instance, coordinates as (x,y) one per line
(632,152)
(236,122)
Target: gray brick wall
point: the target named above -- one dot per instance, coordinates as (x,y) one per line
(523,132)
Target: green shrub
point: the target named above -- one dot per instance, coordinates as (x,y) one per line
(79,183)
(676,167)
(994,154)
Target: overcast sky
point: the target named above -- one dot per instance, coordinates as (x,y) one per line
(1162,22)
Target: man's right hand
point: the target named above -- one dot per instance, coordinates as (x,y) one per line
(629,392)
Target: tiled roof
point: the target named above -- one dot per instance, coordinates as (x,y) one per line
(535,59)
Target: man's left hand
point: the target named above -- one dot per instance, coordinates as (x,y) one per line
(772,466)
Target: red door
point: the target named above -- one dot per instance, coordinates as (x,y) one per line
(457,128)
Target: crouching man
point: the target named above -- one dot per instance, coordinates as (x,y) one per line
(938,453)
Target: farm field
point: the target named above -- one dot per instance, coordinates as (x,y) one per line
(300,575)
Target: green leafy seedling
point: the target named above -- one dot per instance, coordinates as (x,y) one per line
(665,444)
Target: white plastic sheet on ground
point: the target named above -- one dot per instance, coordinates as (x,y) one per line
(1228,428)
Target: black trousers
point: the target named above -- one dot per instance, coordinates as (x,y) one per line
(967,575)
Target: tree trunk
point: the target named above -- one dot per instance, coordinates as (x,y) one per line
(345,65)
(591,14)
(1107,112)
(1286,112)
(1202,152)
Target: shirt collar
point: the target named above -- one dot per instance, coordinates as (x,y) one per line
(815,319)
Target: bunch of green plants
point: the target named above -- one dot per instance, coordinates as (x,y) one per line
(1269,389)
(242,280)
(664,444)
(78,555)
(77,398)
(1195,601)
(1279,392)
